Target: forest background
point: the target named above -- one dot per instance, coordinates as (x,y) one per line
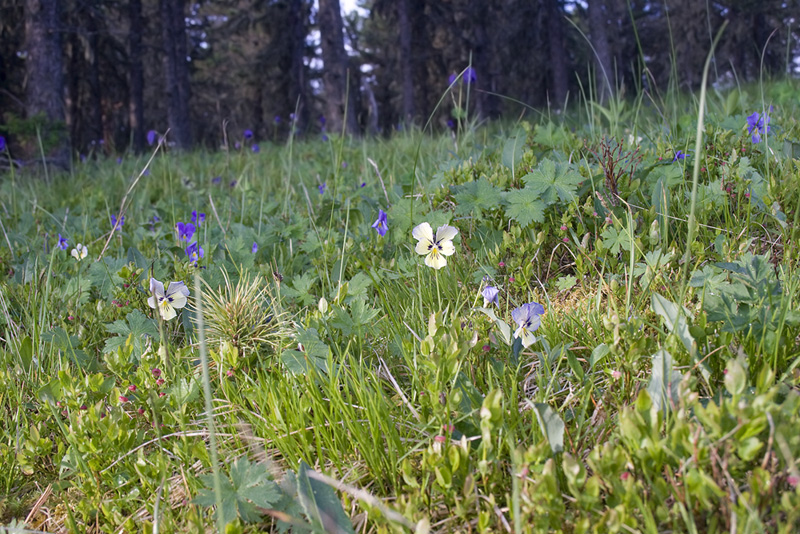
(102,74)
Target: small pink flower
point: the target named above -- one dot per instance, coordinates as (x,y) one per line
(132,387)
(792,480)
(625,476)
(160,382)
(156,372)
(486,348)
(501,264)
(511,279)
(616,375)
(123,399)
(70,318)
(84,407)
(565,239)
(141,411)
(229,373)
(440,439)
(563,228)
(448,428)
(162,394)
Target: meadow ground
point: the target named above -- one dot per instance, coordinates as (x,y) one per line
(582,323)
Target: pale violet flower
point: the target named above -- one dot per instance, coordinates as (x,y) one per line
(167,301)
(434,248)
(490,296)
(79,252)
(381,225)
(528,320)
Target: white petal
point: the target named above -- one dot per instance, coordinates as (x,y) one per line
(435,260)
(156,287)
(152,302)
(168,312)
(423,232)
(446,233)
(447,248)
(175,288)
(75,254)
(528,338)
(519,315)
(423,247)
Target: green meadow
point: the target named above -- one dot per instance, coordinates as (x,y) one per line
(577,322)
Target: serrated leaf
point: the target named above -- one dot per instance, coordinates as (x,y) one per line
(524,206)
(135,324)
(551,424)
(554,181)
(513,149)
(474,198)
(321,505)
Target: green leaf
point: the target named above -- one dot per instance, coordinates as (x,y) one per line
(137,325)
(475,198)
(551,424)
(315,353)
(505,330)
(321,505)
(554,181)
(513,149)
(599,352)
(248,487)
(524,206)
(662,380)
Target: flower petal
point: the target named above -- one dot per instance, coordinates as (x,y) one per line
(447,248)
(423,247)
(177,293)
(423,232)
(152,302)
(156,287)
(446,233)
(520,316)
(435,260)
(167,312)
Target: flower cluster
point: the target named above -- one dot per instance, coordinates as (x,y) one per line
(757,125)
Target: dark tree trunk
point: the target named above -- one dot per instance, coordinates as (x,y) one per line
(406,60)
(339,109)
(297,70)
(482,58)
(136,76)
(559,82)
(176,68)
(598,26)
(44,85)
(93,78)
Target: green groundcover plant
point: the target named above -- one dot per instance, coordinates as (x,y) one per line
(545,326)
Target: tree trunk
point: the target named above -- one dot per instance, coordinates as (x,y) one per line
(559,82)
(339,109)
(44,85)
(95,92)
(297,70)
(136,76)
(176,70)
(406,59)
(598,24)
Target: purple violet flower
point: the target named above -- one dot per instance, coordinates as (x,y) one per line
(195,253)
(151,137)
(255,148)
(185,231)
(198,218)
(117,223)
(381,225)
(254,249)
(322,187)
(62,242)
(248,134)
(490,296)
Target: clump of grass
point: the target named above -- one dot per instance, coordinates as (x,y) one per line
(246,315)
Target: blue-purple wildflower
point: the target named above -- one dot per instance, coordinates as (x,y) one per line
(185,231)
(381,225)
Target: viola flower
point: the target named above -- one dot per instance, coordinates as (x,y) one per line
(62,242)
(490,296)
(277,119)
(151,137)
(254,249)
(322,187)
(255,148)
(79,252)
(527,317)
(198,218)
(678,155)
(195,252)
(117,223)
(167,301)
(248,134)
(434,248)
(381,225)
(216,180)
(2,143)
(470,76)
(452,79)
(757,125)
(185,231)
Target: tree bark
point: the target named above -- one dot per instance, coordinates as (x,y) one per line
(339,109)
(136,76)
(44,85)
(93,78)
(598,26)
(406,60)
(297,70)
(559,82)
(176,69)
